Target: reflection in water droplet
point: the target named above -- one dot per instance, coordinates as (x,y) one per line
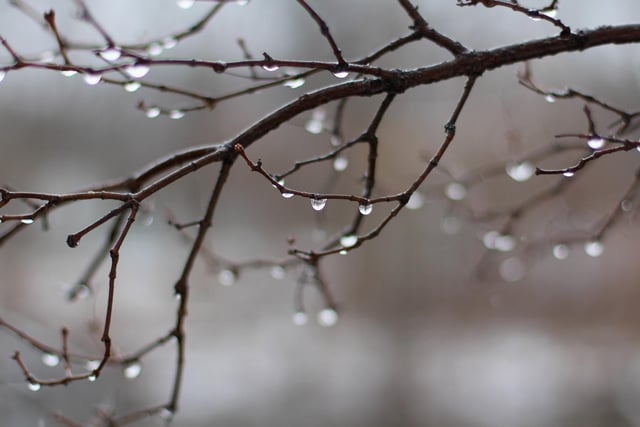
(278,272)
(65,73)
(185,4)
(340,163)
(593,248)
(318,204)
(295,83)
(416,201)
(34,386)
(92,78)
(111,54)
(455,191)
(596,143)
(50,359)
(132,86)
(521,171)
(227,277)
(133,370)
(270,67)
(341,74)
(349,240)
(152,112)
(137,70)
(365,209)
(560,251)
(176,114)
(327,317)
(300,318)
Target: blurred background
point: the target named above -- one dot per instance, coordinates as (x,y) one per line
(420,341)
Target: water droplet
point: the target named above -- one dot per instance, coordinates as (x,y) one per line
(551,13)
(560,251)
(26,221)
(521,171)
(278,272)
(92,78)
(550,99)
(593,248)
(227,277)
(111,54)
(335,140)
(300,318)
(92,378)
(270,67)
(133,370)
(3,74)
(65,73)
(626,205)
(137,70)
(318,204)
(534,15)
(455,191)
(504,243)
(152,112)
(132,86)
(155,49)
(365,208)
(340,163)
(327,317)
(341,74)
(185,4)
(242,2)
(416,201)
(47,56)
(50,359)
(489,239)
(314,126)
(169,42)
(348,240)
(451,225)
(512,269)
(287,195)
(343,252)
(294,83)
(166,414)
(92,365)
(176,114)
(34,386)
(595,143)
(568,174)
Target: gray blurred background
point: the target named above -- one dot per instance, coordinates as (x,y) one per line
(420,341)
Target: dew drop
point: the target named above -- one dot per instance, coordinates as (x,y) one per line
(327,317)
(314,126)
(340,163)
(335,140)
(26,221)
(152,112)
(504,243)
(455,191)
(137,70)
(489,239)
(294,83)
(568,174)
(343,252)
(132,86)
(185,4)
(92,365)
(133,370)
(520,171)
(550,99)
(278,272)
(626,205)
(242,2)
(348,240)
(365,208)
(450,225)
(593,248)
(595,143)
(66,73)
(287,195)
(416,201)
(34,386)
(176,114)
(318,204)
(92,378)
(169,42)
(92,78)
(341,74)
(270,67)
(50,359)
(551,13)
(512,269)
(3,74)
(299,318)
(560,251)
(166,414)
(155,49)
(111,54)
(227,277)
